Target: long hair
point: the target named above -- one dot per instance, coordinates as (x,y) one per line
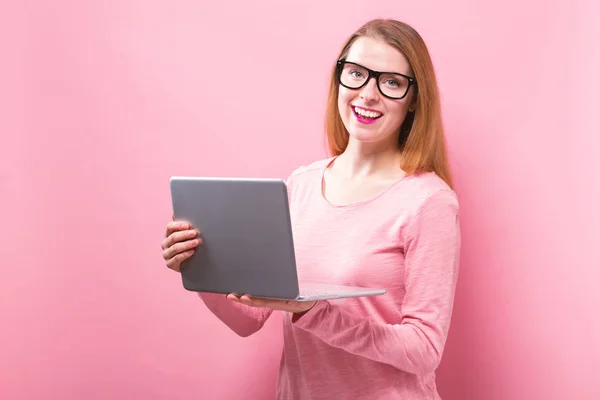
(421,140)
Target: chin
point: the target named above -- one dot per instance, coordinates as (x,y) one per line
(365,135)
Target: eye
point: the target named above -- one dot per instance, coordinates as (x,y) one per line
(393,83)
(356,74)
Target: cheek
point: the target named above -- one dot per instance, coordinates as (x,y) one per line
(344,99)
(397,112)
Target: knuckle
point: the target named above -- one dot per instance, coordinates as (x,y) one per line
(165,244)
(173,266)
(178,248)
(177,237)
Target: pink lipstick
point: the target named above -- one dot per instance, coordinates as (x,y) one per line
(364,119)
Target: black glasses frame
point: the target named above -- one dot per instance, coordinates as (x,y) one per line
(373,74)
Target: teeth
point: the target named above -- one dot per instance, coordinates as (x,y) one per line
(365,113)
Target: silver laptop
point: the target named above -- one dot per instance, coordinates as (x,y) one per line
(248,246)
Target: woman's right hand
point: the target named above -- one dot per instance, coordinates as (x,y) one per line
(181,240)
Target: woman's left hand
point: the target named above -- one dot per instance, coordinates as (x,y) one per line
(295,307)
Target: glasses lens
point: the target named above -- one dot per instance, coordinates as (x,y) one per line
(393,85)
(353,76)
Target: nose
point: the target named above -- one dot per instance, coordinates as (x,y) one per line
(370,92)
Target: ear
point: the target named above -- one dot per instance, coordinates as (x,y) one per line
(413,102)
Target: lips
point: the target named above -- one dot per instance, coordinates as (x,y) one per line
(365,115)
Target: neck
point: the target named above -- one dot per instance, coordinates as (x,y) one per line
(365,159)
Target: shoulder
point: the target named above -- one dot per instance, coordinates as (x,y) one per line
(308,171)
(306,179)
(433,211)
(430,192)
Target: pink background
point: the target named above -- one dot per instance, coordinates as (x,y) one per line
(100,102)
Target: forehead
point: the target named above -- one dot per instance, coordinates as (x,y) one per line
(378,55)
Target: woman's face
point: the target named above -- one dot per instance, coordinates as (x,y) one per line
(367,114)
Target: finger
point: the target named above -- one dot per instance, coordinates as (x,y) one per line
(261,302)
(179,236)
(175,262)
(174,226)
(180,247)
(173,250)
(243,299)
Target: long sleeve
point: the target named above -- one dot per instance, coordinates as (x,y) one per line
(415,343)
(241,319)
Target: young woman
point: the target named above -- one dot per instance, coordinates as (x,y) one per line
(380,212)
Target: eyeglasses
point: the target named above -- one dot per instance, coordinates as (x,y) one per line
(392,85)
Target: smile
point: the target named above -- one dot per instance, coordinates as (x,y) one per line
(366,116)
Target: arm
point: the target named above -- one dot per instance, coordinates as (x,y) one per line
(415,343)
(240,318)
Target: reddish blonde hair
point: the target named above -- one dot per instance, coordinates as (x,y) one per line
(421,140)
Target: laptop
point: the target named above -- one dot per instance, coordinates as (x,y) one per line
(248,244)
